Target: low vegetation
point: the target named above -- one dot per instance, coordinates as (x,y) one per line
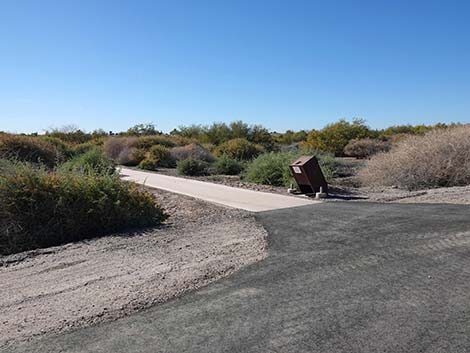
(438,158)
(240,149)
(89,162)
(162,156)
(41,208)
(114,147)
(366,148)
(273,168)
(63,186)
(194,151)
(226,165)
(29,149)
(193,167)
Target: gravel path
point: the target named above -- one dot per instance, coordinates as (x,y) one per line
(62,288)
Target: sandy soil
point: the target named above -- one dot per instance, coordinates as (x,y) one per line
(452,195)
(61,288)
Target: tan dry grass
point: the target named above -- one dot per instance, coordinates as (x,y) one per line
(439,158)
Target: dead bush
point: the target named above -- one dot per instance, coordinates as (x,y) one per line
(192,151)
(131,156)
(439,158)
(114,146)
(365,148)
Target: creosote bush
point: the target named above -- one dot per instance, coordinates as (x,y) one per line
(228,166)
(147,142)
(64,150)
(439,158)
(273,168)
(84,147)
(270,169)
(192,167)
(40,208)
(29,149)
(93,161)
(334,137)
(162,155)
(149,164)
(240,149)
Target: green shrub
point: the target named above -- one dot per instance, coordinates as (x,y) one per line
(84,147)
(149,164)
(270,169)
(240,149)
(162,155)
(334,137)
(192,167)
(273,168)
(194,151)
(228,166)
(64,150)
(143,130)
(93,161)
(146,142)
(28,149)
(70,134)
(182,141)
(40,209)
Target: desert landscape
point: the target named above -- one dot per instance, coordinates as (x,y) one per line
(234,176)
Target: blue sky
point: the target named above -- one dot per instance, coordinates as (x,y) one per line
(284,64)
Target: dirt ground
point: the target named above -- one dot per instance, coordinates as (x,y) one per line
(347,187)
(61,288)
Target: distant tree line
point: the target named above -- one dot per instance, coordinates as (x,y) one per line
(332,138)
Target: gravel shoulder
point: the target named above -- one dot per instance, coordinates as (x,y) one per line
(58,289)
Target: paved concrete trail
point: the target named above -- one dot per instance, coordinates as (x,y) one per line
(340,277)
(224,195)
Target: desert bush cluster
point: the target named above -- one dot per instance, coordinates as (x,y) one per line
(51,194)
(227,165)
(193,167)
(337,138)
(29,149)
(240,149)
(193,151)
(219,133)
(367,147)
(273,168)
(438,158)
(63,186)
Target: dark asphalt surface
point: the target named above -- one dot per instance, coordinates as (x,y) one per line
(340,277)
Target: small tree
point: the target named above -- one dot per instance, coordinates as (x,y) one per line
(334,137)
(143,129)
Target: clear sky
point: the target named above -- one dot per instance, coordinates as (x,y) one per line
(284,64)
